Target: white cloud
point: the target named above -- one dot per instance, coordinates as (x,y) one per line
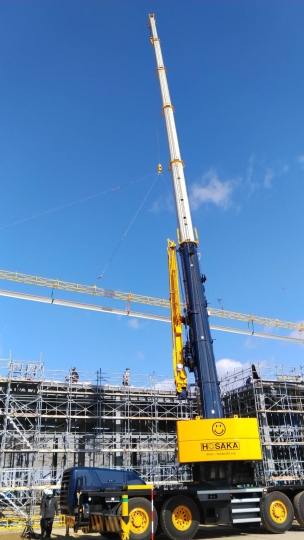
(156,206)
(211,190)
(258,174)
(234,374)
(227,366)
(167,384)
(162,204)
(249,174)
(269,174)
(267,329)
(301,160)
(251,343)
(272,172)
(133,323)
(296,334)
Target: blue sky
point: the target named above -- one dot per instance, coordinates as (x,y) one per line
(80,114)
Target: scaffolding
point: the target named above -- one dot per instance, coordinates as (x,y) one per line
(275,395)
(50,421)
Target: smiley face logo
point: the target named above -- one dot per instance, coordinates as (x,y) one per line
(218,428)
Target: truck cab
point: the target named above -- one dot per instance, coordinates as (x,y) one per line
(94,479)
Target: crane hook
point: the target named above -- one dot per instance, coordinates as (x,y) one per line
(159,168)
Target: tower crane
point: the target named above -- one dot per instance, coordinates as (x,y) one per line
(132,298)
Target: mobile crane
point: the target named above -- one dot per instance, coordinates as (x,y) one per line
(221,451)
(210,437)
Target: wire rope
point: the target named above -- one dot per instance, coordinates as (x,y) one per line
(128,228)
(143,202)
(74,202)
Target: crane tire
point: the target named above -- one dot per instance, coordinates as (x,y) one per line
(140,518)
(277,512)
(298,505)
(180,518)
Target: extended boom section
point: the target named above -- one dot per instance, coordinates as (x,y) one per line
(176,163)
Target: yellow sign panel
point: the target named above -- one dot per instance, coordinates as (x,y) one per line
(225,439)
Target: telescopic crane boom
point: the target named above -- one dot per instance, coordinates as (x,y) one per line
(210,437)
(198,354)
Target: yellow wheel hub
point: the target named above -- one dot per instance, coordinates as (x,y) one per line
(139,520)
(181,518)
(278,511)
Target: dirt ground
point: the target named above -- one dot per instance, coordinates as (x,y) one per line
(212,532)
(56,534)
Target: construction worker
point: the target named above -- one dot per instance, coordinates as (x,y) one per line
(255,375)
(49,507)
(126,377)
(44,493)
(74,375)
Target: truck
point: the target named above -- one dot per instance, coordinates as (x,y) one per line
(221,451)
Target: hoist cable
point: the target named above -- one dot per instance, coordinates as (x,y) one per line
(74,202)
(128,228)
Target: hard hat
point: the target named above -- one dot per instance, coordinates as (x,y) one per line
(127,369)
(179,367)
(49,492)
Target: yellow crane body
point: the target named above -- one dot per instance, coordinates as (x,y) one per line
(180,375)
(225,439)
(201,440)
